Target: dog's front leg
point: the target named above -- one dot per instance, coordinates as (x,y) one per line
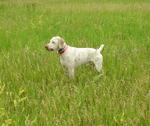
(71,72)
(66,70)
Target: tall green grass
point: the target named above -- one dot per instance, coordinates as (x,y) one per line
(34,90)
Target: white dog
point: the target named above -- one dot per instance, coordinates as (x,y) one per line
(71,57)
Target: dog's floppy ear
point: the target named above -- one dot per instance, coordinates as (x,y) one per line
(61,42)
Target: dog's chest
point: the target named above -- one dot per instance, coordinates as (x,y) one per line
(66,60)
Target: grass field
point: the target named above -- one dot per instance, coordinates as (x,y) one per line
(34,90)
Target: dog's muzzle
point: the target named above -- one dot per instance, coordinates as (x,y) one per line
(49,49)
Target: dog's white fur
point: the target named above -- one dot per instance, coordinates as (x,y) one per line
(74,57)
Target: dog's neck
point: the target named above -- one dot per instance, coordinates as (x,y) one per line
(63,50)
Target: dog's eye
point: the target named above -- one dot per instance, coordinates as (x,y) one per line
(53,42)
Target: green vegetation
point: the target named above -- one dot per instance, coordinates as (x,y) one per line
(34,90)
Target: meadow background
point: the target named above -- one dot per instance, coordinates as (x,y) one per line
(34,90)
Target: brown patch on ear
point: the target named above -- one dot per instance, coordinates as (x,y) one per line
(61,42)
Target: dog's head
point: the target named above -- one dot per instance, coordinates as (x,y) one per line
(55,44)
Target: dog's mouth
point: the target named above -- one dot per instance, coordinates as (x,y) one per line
(50,49)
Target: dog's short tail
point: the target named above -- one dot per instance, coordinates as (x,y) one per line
(100,48)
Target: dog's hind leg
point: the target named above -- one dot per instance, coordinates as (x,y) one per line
(98,63)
